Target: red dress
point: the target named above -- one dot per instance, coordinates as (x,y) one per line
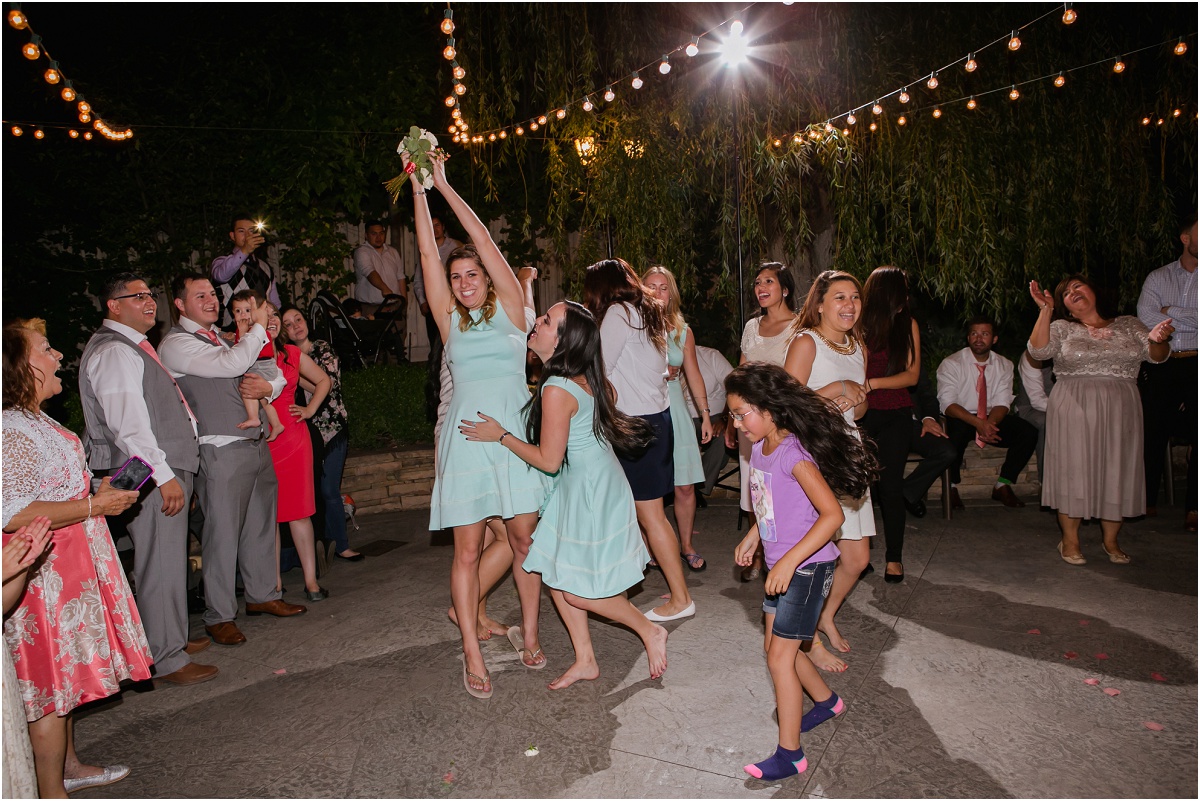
(291,451)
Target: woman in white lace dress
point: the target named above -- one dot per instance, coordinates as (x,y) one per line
(75,633)
(1094,464)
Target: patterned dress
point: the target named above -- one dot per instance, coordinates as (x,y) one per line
(76,633)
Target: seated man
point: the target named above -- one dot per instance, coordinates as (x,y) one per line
(928,439)
(1036,381)
(975,390)
(713,369)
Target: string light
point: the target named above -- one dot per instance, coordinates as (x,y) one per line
(457,113)
(693,47)
(459,72)
(876,109)
(491,137)
(845,132)
(1013,94)
(1069,15)
(450,101)
(16,129)
(903,95)
(52,75)
(932,83)
(1159,122)
(68,92)
(40,134)
(74,134)
(777,143)
(85,117)
(452,129)
(609,95)
(937,112)
(520,131)
(874,127)
(561,113)
(971,104)
(30,49)
(17,20)
(533,126)
(587,103)
(1180,48)
(448,23)
(1014,43)
(1145,120)
(1060,80)
(736,27)
(84,107)
(637,81)
(1176,112)
(503,134)
(851,119)
(971,64)
(460,89)
(449,52)
(1118,66)
(87,135)
(902,120)
(665,66)
(542,120)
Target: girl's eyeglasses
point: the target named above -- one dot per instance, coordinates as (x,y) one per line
(740,417)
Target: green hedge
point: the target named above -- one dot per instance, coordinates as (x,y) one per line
(385,405)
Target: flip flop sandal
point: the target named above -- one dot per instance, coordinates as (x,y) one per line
(653,563)
(695,561)
(486,679)
(517,639)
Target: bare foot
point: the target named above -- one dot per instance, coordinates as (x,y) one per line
(656,651)
(822,658)
(275,432)
(587,671)
(491,626)
(252,422)
(481,679)
(481,631)
(836,640)
(672,607)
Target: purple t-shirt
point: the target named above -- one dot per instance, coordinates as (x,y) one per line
(784,512)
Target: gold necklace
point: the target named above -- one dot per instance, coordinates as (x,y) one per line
(846,350)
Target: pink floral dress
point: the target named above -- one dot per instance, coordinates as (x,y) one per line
(76,633)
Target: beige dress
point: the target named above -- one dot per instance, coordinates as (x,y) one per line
(20,780)
(1094,466)
(757,348)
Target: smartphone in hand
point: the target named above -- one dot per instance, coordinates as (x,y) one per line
(132,475)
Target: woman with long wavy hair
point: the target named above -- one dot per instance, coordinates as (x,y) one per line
(633,335)
(587,546)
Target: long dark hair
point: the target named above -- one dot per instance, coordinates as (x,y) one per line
(886,318)
(578,354)
(783,276)
(846,463)
(614,281)
(809,316)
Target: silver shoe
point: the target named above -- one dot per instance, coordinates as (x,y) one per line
(111,775)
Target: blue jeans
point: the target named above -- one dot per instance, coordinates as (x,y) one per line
(331,490)
(797,608)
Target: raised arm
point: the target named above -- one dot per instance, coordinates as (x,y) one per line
(437,286)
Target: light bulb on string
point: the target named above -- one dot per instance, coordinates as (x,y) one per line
(587,103)
(448,23)
(84,107)
(1176,112)
(16,129)
(937,113)
(736,27)
(520,131)
(971,64)
(457,113)
(533,126)
(1060,80)
(87,135)
(1069,15)
(693,47)
(1013,94)
(458,72)
(40,134)
(665,66)
(876,109)
(460,89)
(796,139)
(845,132)
(1014,43)
(85,117)
(609,95)
(1118,66)
(463,124)
(777,143)
(52,75)
(904,98)
(1160,121)
(491,137)
(74,134)
(449,101)
(1145,120)
(30,49)
(449,52)
(851,119)
(17,20)
(637,81)
(452,129)
(971,104)
(902,120)
(542,120)
(874,127)
(503,134)
(68,92)
(1181,48)
(932,83)
(561,113)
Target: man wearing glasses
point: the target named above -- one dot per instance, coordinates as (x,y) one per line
(132,407)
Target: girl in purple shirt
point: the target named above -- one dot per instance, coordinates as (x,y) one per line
(797,512)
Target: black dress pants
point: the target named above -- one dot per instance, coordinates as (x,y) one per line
(1168,409)
(1017,435)
(890,430)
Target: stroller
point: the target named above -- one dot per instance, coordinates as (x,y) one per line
(358,342)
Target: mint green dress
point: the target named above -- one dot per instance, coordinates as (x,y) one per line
(588,542)
(478,480)
(688,469)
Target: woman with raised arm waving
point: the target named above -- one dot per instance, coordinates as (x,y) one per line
(478,305)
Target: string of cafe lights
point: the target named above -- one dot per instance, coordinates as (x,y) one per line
(33,50)
(587,102)
(1116,64)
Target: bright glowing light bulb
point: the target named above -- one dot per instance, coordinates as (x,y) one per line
(1160,121)
(463,124)
(1176,113)
(1145,120)
(16,129)
(31,51)
(456,114)
(876,109)
(778,143)
(542,120)
(1060,80)
(937,113)
(84,107)
(796,139)
(693,47)
(971,64)
(971,104)
(874,127)
(460,89)
(1015,42)
(902,121)
(85,117)
(609,95)
(851,119)
(491,137)
(1180,48)
(665,66)
(459,73)
(1013,94)
(932,83)
(736,27)
(87,135)
(40,134)
(845,132)
(1118,66)
(735,50)
(449,52)
(637,81)
(561,113)
(74,134)
(533,126)
(520,131)
(452,129)
(52,75)
(1069,15)
(68,92)
(587,103)
(448,23)
(17,19)
(904,98)
(449,101)
(504,134)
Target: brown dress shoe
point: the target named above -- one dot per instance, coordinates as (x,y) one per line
(196,644)
(1004,493)
(226,633)
(279,608)
(955,501)
(191,673)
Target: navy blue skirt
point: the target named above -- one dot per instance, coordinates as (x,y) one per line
(652,475)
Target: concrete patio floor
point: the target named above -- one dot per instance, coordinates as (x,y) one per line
(968,679)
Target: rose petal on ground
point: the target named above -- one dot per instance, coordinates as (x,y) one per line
(1092,682)
(1070,655)
(1152,726)
(1034,631)
(281,671)
(1158,676)
(1102,656)
(1084,622)
(1112,691)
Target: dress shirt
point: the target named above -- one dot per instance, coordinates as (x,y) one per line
(1033,381)
(958,374)
(116,376)
(1175,288)
(386,262)
(713,369)
(447,247)
(636,368)
(183,354)
(224,267)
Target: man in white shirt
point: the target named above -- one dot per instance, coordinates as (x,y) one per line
(975,390)
(378,270)
(713,369)
(132,407)
(1031,402)
(236,484)
(1169,389)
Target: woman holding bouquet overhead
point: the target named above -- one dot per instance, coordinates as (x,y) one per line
(478,305)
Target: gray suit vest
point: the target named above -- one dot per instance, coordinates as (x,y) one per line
(168,417)
(216,402)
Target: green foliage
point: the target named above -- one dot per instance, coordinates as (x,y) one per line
(385,406)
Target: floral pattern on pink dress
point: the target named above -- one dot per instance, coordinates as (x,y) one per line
(76,633)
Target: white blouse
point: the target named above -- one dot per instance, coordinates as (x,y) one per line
(636,368)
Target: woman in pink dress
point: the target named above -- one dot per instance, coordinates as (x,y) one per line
(75,633)
(291,452)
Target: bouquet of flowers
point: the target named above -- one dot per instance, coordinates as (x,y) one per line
(421,147)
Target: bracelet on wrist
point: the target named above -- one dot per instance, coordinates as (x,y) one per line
(502,436)
(89,507)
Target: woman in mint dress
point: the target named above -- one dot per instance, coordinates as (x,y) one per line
(478,305)
(681,358)
(588,547)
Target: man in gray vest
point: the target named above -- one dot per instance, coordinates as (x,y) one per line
(132,407)
(236,485)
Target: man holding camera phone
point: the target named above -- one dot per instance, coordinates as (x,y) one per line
(245,268)
(132,407)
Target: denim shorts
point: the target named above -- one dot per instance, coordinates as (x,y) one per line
(796,610)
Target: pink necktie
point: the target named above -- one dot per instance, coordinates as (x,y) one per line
(981,404)
(146,346)
(212,337)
